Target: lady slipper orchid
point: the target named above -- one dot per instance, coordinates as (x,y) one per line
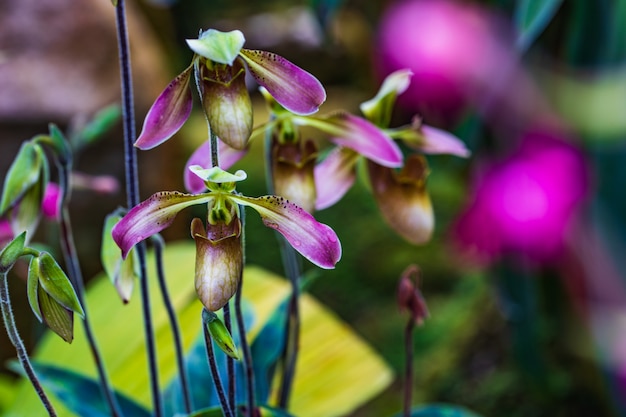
(218,256)
(220,64)
(401,196)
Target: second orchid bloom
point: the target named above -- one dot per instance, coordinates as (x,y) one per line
(218,245)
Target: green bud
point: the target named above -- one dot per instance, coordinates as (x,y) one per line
(24,174)
(121,272)
(33,287)
(58,318)
(219,333)
(60,145)
(12,252)
(54,281)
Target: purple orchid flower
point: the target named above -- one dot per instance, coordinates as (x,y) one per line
(220,64)
(217,243)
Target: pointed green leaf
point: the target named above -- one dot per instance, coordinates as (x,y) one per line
(23,174)
(33,287)
(57,284)
(11,252)
(60,144)
(531,18)
(58,318)
(95,129)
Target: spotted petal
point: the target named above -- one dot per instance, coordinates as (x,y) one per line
(292,87)
(334,176)
(151,216)
(168,113)
(202,156)
(359,135)
(315,241)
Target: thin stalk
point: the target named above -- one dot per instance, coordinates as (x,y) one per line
(159,244)
(14,337)
(241,326)
(408,370)
(132,195)
(293,270)
(70,255)
(219,387)
(230,362)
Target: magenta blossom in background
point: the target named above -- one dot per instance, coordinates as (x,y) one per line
(525,204)
(51,201)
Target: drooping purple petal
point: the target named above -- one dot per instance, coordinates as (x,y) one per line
(151,216)
(168,113)
(430,140)
(315,241)
(334,176)
(295,89)
(202,156)
(359,135)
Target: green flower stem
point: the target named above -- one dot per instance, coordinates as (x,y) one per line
(241,327)
(293,270)
(14,337)
(71,260)
(159,245)
(408,372)
(132,195)
(219,388)
(230,362)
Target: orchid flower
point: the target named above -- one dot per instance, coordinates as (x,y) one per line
(218,244)
(401,196)
(293,158)
(220,63)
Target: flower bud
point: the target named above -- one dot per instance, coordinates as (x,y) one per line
(292,171)
(410,297)
(220,334)
(11,253)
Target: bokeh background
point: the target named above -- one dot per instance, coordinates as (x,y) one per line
(523,275)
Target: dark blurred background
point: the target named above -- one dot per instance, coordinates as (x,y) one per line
(523,276)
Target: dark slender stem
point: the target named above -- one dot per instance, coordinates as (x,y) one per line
(408,375)
(230,362)
(292,342)
(241,327)
(219,387)
(132,191)
(14,337)
(159,245)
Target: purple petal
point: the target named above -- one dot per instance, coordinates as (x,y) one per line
(430,140)
(359,135)
(151,216)
(202,156)
(315,241)
(168,113)
(295,89)
(334,176)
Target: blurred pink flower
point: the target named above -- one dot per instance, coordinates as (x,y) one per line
(51,201)
(524,204)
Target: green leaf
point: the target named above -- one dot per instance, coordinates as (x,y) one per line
(11,252)
(82,395)
(33,287)
(440,410)
(60,144)
(101,123)
(531,18)
(23,174)
(57,284)
(58,318)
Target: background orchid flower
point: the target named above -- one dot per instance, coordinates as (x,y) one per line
(220,64)
(315,241)
(401,196)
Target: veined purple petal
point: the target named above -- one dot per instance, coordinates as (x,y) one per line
(202,156)
(430,140)
(359,135)
(334,176)
(295,89)
(151,216)
(168,113)
(315,241)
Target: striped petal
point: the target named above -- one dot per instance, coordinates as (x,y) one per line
(293,88)
(315,241)
(359,135)
(151,216)
(168,113)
